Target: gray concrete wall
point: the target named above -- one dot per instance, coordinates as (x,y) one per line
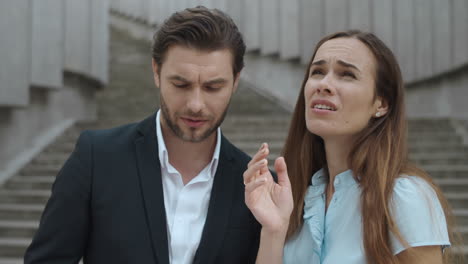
(429,38)
(418,31)
(405,41)
(251,29)
(311,27)
(15,52)
(460,32)
(48,48)
(289,29)
(53,58)
(441,96)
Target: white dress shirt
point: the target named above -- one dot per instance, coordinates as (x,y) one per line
(186,205)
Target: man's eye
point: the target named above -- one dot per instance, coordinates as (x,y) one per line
(212,88)
(180,85)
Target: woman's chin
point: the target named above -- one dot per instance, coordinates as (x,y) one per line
(320,129)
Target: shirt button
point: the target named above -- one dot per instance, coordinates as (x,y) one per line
(337,181)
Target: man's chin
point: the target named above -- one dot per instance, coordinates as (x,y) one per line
(198,136)
(195,138)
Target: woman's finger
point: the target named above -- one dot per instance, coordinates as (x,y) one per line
(282,171)
(251,186)
(254,170)
(261,154)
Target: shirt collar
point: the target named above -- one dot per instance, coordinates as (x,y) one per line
(342,179)
(163,154)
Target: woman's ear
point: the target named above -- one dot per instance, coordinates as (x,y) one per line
(381,107)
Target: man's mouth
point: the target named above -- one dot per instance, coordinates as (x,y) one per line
(193,122)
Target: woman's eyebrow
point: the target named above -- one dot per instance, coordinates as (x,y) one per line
(348,65)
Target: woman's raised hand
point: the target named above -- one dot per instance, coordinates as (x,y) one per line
(271,203)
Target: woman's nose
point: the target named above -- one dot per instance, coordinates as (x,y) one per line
(326,85)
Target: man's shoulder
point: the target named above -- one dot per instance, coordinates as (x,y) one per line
(126,133)
(235,152)
(113,132)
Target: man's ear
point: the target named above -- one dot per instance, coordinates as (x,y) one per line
(236,82)
(156,71)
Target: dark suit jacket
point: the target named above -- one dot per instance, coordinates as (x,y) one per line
(107,205)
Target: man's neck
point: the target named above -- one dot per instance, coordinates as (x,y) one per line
(189,158)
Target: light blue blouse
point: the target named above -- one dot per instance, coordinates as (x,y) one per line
(336,237)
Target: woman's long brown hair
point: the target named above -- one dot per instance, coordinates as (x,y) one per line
(379,156)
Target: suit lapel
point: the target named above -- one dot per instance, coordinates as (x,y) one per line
(219,207)
(149,172)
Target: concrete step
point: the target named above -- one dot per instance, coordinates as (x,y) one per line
(430,121)
(447,171)
(254,119)
(441,144)
(461,216)
(429,137)
(461,250)
(280,137)
(49,159)
(431,131)
(447,132)
(251,147)
(61,149)
(18,228)
(452,184)
(439,158)
(13,247)
(244,108)
(433,147)
(11,260)
(43,183)
(41,169)
(463,230)
(428,128)
(446,161)
(458,200)
(10,211)
(22,196)
(270,136)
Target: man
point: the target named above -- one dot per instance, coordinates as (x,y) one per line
(170,188)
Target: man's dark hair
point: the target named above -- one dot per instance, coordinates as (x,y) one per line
(203,29)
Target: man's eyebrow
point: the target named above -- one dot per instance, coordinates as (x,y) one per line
(178,78)
(216,81)
(349,65)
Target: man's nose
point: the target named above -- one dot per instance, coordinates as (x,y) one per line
(196,101)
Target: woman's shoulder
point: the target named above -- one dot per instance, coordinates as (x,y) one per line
(414,194)
(417,213)
(410,187)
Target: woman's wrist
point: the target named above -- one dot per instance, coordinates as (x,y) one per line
(277,233)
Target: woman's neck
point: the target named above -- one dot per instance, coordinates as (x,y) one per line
(337,152)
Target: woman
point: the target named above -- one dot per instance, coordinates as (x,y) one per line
(351,194)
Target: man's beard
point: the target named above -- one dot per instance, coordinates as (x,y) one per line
(175,128)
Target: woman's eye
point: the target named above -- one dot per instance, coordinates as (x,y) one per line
(316,72)
(349,74)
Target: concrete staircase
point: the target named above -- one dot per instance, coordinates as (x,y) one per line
(252,119)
